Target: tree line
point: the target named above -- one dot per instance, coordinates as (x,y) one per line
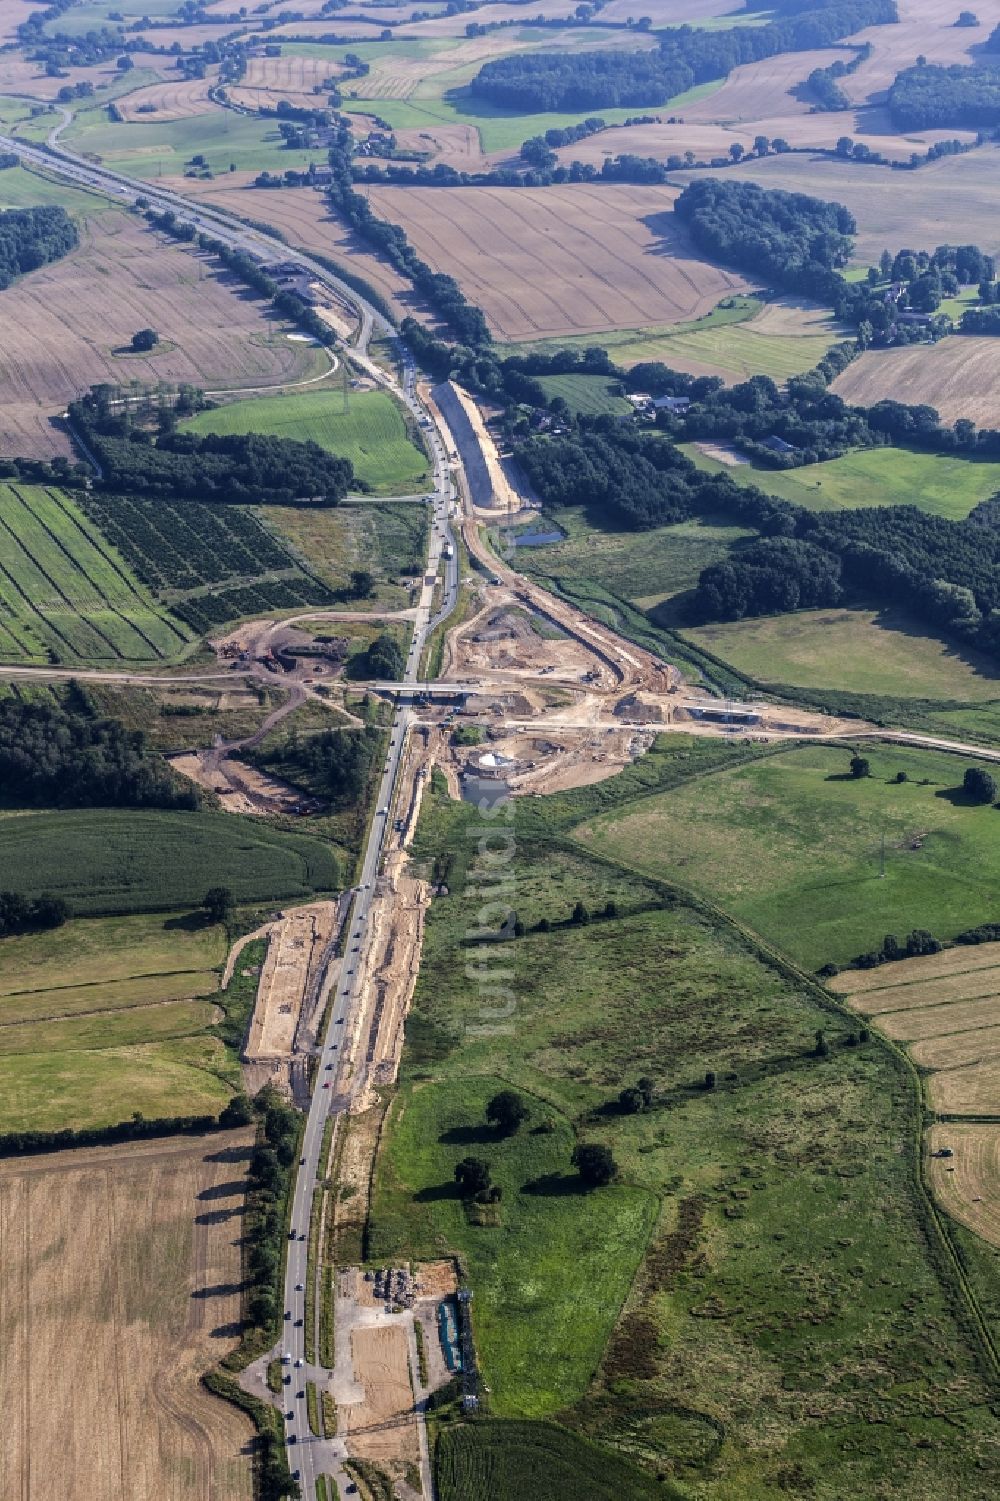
(31,237)
(23,914)
(237,467)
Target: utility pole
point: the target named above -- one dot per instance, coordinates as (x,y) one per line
(346,387)
(881,864)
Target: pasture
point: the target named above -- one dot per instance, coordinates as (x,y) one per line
(959,377)
(665,561)
(66,594)
(372,433)
(162,147)
(941,484)
(880,652)
(546,1225)
(69,324)
(110,861)
(621,259)
(119,1290)
(787,1149)
(791,844)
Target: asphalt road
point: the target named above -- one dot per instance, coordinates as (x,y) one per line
(334,1088)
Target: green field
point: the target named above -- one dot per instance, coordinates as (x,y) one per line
(23,188)
(739,351)
(390,541)
(98,1086)
(164,149)
(523,1300)
(643,567)
(117,860)
(940,484)
(792,845)
(851,651)
(372,434)
(498,1461)
(66,595)
(586,394)
(790,1289)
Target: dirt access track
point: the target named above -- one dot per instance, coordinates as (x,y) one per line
(121,1287)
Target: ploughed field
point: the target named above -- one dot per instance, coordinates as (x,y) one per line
(120,1287)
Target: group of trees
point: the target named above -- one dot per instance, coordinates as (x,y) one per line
(22,914)
(791,238)
(823,83)
(269,1176)
(545,81)
(61,756)
(337,763)
(31,237)
(931,96)
(507,1112)
(248,467)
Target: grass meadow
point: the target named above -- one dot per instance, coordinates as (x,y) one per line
(940,484)
(585,394)
(387,540)
(644,568)
(372,434)
(718,1375)
(164,148)
(851,651)
(791,844)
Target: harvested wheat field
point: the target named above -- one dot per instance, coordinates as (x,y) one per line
(455,146)
(177,100)
(856,982)
(966,985)
(967,1184)
(297,79)
(927,28)
(973,1089)
(922,1022)
(708,141)
(893,209)
(756,91)
(571,259)
(120,1278)
(303,216)
(66,325)
(960,377)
